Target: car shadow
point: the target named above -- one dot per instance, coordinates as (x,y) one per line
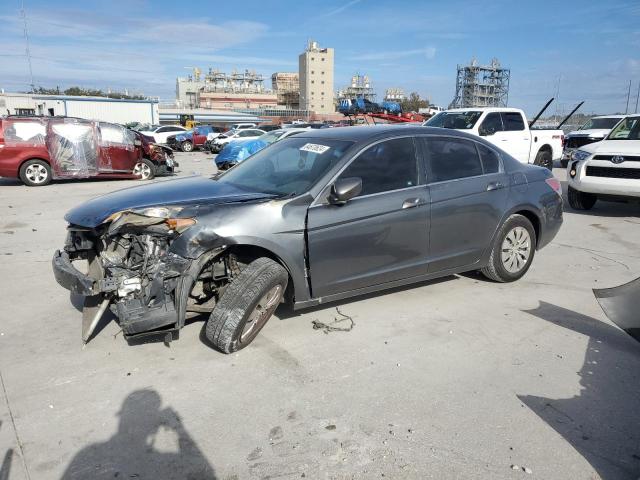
(151,442)
(601,422)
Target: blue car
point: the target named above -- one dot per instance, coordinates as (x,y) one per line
(237,150)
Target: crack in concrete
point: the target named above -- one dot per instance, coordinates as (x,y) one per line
(15,429)
(599,254)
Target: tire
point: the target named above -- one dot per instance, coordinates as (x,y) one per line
(145,168)
(257,290)
(35,173)
(186,146)
(509,265)
(581,200)
(543,159)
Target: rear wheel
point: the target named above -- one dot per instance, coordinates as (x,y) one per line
(246,305)
(543,159)
(512,251)
(186,146)
(145,168)
(581,200)
(35,173)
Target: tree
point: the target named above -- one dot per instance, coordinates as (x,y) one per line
(413,102)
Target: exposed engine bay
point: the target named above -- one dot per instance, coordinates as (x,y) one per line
(149,288)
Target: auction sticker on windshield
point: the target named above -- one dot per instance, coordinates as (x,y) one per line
(314,148)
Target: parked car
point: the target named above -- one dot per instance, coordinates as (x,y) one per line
(38,150)
(238,150)
(191,139)
(160,133)
(317,217)
(506,128)
(215,143)
(607,170)
(269,127)
(594,130)
(160,155)
(242,126)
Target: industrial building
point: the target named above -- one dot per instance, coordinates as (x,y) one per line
(217,89)
(316,79)
(481,85)
(360,87)
(394,95)
(92,108)
(286,85)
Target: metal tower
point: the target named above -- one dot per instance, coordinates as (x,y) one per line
(481,85)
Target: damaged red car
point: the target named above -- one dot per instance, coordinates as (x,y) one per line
(38,150)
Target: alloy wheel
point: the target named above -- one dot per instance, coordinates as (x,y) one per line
(36,173)
(143,170)
(261,313)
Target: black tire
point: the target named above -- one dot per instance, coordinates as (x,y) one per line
(35,173)
(581,200)
(146,168)
(543,159)
(186,146)
(226,325)
(497,269)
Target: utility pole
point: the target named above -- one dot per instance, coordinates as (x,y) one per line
(26,40)
(626,111)
(637,96)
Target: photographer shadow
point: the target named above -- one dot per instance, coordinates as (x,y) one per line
(150,443)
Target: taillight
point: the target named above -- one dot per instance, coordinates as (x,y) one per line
(555,184)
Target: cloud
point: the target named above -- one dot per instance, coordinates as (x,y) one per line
(428,52)
(339,9)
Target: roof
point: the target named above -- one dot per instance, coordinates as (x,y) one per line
(364,133)
(484,109)
(610,116)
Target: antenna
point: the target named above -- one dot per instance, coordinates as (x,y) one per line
(23,14)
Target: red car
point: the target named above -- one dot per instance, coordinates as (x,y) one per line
(38,150)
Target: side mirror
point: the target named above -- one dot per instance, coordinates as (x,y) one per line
(344,190)
(137,142)
(486,131)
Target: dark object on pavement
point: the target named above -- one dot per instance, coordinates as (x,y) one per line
(622,306)
(331,327)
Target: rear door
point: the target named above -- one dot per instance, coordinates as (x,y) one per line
(379,236)
(468,189)
(117,149)
(516,138)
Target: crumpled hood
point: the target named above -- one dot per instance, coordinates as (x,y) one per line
(184,191)
(613,147)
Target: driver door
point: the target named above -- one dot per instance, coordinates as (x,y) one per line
(379,236)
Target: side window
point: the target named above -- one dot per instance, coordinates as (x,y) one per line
(512,121)
(452,158)
(491,124)
(164,130)
(386,166)
(490,159)
(246,133)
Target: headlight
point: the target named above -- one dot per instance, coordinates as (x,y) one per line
(580,155)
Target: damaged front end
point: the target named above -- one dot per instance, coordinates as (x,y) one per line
(130,268)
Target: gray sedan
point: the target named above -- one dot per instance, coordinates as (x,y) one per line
(318,217)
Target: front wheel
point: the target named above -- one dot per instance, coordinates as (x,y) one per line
(186,146)
(145,168)
(35,173)
(543,159)
(512,251)
(246,305)
(581,200)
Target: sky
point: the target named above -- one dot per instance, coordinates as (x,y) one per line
(580,50)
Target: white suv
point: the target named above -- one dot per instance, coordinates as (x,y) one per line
(609,169)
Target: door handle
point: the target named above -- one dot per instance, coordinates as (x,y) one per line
(411,202)
(494,186)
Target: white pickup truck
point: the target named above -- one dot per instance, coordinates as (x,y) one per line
(506,128)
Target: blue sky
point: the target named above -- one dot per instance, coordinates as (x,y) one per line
(591,48)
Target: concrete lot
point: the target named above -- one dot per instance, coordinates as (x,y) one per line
(457,378)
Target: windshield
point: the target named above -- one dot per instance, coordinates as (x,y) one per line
(271,137)
(603,123)
(627,129)
(288,167)
(456,120)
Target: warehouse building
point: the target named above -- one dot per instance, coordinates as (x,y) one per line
(92,108)
(316,79)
